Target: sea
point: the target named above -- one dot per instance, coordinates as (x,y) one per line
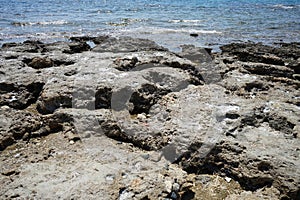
(167,22)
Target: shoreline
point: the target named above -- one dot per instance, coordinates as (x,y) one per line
(129,119)
(171,39)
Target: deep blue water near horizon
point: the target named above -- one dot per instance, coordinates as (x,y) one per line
(168,22)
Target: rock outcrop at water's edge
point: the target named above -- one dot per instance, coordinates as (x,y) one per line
(124,118)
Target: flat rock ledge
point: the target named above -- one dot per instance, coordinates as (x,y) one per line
(124,118)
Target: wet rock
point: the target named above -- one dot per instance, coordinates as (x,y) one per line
(77,48)
(27,46)
(269,70)
(125,44)
(195,54)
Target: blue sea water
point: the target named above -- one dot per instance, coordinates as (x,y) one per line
(168,22)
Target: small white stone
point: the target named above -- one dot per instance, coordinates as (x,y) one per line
(141,116)
(110,177)
(17,155)
(5,108)
(168,186)
(227,179)
(176,187)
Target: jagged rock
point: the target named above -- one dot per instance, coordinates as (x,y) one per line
(268,70)
(27,46)
(143,114)
(55,96)
(38,63)
(19,96)
(145,97)
(126,44)
(29,124)
(78,47)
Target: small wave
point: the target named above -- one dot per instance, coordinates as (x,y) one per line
(126,22)
(167,30)
(185,21)
(101,11)
(58,22)
(117,24)
(284,6)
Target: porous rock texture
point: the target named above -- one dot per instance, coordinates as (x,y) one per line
(124,118)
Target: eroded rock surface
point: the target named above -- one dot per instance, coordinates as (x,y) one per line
(123,118)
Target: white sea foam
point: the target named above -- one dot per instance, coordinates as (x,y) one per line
(57,22)
(192,21)
(154,30)
(284,6)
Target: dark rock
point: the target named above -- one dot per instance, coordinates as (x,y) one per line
(256,86)
(48,104)
(27,46)
(296,76)
(100,39)
(194,35)
(39,63)
(251,52)
(58,62)
(126,44)
(19,96)
(81,39)
(70,73)
(252,57)
(28,124)
(280,124)
(6,141)
(103,98)
(112,130)
(196,54)
(268,70)
(8,45)
(203,59)
(35,42)
(126,64)
(145,97)
(78,47)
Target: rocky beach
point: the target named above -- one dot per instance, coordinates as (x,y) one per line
(124,118)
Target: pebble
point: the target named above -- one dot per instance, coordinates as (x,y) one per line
(145,156)
(141,116)
(194,35)
(168,186)
(109,177)
(5,108)
(176,187)
(227,179)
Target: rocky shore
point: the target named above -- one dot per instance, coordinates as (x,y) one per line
(123,118)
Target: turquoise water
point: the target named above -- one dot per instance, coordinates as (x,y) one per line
(167,22)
